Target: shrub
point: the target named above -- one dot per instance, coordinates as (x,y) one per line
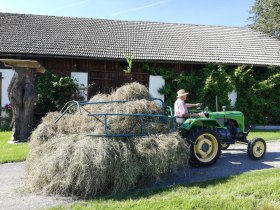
(6,118)
(54,91)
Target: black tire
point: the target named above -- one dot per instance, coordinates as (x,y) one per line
(224,146)
(205,147)
(256,148)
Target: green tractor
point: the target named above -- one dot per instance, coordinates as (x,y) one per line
(215,132)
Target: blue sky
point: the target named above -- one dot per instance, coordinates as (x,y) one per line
(205,12)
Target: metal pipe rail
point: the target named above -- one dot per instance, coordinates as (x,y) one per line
(166,113)
(78,104)
(142,124)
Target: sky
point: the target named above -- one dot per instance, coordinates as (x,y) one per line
(233,13)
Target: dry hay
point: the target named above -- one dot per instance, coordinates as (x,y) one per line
(63,160)
(85,166)
(131,92)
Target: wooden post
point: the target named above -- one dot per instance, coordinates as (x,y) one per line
(21,93)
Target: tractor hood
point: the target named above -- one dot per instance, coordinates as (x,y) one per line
(215,119)
(234,115)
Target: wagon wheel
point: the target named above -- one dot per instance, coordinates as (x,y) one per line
(224,146)
(206,148)
(256,148)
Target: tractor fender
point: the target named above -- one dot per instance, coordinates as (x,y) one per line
(191,123)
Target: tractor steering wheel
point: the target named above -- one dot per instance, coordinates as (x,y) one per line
(203,108)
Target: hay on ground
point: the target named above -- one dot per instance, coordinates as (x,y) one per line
(86,166)
(64,160)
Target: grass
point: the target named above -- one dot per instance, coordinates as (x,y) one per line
(252,190)
(266,135)
(11,152)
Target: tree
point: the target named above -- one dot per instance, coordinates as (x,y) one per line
(21,93)
(266,17)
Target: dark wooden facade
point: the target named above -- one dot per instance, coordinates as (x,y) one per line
(105,75)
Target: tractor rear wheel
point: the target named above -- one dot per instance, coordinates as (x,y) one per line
(256,148)
(205,147)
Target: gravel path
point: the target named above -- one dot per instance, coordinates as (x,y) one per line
(233,161)
(12,177)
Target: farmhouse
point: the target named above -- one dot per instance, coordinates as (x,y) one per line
(95,49)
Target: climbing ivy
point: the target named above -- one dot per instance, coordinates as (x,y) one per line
(258,94)
(258,89)
(217,82)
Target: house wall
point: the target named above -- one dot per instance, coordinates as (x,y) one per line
(105,75)
(7,75)
(155,83)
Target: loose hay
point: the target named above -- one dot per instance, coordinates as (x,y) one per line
(85,166)
(131,92)
(64,160)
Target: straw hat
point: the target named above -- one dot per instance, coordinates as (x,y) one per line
(181,92)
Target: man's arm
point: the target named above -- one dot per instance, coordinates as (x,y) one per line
(193,105)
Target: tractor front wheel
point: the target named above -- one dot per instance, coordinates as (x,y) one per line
(256,148)
(205,147)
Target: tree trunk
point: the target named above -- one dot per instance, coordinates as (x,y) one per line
(21,94)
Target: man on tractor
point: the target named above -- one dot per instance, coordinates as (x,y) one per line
(181,108)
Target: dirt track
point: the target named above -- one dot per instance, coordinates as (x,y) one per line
(233,161)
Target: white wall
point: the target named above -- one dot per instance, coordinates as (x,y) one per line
(232,96)
(155,83)
(7,74)
(82,80)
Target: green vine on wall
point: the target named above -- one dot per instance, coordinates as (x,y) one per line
(217,82)
(258,89)
(129,61)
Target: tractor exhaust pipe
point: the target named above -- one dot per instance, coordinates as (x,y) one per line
(216,103)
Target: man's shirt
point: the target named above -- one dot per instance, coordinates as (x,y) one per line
(180,108)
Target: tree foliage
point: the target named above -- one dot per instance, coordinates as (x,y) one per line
(266,17)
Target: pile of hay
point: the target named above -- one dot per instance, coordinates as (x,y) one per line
(64,160)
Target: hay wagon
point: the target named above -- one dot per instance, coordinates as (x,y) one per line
(207,136)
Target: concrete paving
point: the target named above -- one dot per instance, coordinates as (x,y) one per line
(233,161)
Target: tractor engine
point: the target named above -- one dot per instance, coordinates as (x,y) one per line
(225,135)
(230,132)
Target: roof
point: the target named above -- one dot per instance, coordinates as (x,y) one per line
(24,64)
(154,41)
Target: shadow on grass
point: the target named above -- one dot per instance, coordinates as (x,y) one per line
(146,193)
(232,162)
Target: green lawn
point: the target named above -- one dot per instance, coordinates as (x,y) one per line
(266,135)
(11,152)
(253,190)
